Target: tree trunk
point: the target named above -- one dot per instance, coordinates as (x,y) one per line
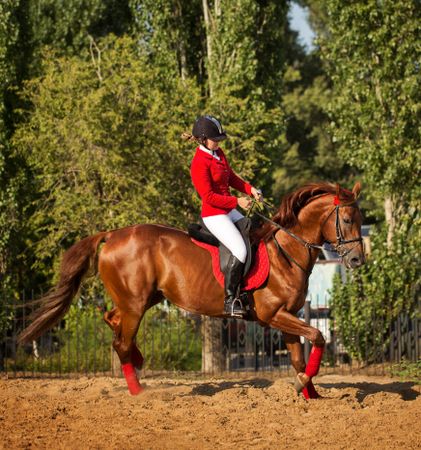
(389,209)
(115,363)
(212,354)
(209,33)
(181,44)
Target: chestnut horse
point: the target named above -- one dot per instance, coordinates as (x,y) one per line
(142,264)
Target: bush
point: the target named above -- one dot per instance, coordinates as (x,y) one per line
(366,306)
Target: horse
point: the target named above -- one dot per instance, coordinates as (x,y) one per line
(141,265)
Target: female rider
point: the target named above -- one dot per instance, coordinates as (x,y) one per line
(212,177)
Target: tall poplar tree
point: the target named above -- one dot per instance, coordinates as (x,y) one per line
(371,50)
(9,185)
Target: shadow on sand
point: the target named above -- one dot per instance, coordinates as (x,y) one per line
(213,388)
(407,390)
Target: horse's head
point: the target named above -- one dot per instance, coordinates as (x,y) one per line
(342,227)
(317,213)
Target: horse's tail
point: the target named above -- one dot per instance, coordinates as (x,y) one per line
(75,264)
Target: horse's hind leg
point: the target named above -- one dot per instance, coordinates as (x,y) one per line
(113,320)
(297,360)
(125,325)
(124,342)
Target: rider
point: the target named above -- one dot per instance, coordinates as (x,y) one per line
(212,176)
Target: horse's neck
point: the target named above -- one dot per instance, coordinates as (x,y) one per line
(310,222)
(309,229)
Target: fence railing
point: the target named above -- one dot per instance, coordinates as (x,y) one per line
(173,340)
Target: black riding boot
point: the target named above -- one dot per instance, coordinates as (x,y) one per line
(233,276)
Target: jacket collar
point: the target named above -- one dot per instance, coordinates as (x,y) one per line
(213,153)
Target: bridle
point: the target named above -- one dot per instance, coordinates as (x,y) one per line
(338,246)
(340,241)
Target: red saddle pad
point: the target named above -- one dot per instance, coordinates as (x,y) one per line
(257,274)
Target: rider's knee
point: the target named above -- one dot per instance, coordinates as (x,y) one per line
(241,253)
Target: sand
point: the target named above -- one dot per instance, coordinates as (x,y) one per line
(210,413)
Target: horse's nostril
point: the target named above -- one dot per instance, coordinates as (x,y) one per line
(355,262)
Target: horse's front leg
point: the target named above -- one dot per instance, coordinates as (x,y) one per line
(297,360)
(291,325)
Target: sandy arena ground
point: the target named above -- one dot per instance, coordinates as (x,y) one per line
(258,413)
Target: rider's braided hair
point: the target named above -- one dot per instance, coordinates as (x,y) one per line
(191,138)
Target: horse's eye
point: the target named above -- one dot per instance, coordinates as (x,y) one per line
(347,220)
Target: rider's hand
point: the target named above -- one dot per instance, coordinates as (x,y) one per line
(257,194)
(244,202)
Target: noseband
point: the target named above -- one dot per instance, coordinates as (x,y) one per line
(338,246)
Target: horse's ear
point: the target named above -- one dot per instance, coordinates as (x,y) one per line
(338,190)
(356,190)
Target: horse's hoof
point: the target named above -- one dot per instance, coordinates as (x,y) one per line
(301,382)
(135,389)
(131,378)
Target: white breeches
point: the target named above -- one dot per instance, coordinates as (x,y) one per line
(223,228)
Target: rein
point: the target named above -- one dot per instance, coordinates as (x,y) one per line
(340,241)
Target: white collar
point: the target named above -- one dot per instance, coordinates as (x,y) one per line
(210,152)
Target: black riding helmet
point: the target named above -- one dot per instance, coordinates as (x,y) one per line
(208,127)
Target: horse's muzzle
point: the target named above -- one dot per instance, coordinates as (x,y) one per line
(354,261)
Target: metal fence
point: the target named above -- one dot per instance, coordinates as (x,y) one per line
(173,340)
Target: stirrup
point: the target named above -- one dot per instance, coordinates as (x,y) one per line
(236,308)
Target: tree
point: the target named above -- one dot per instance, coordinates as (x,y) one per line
(238,33)
(306,150)
(103,144)
(370,49)
(66,26)
(172,34)
(10,181)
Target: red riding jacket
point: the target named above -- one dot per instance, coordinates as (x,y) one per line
(212,178)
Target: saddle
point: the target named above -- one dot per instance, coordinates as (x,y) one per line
(199,232)
(256,268)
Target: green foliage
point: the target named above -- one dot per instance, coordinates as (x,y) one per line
(246,47)
(371,51)
(10,194)
(253,130)
(97,141)
(170,340)
(308,152)
(103,144)
(171,33)
(372,298)
(245,61)
(407,371)
(305,151)
(167,340)
(68,25)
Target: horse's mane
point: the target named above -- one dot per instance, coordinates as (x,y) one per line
(292,203)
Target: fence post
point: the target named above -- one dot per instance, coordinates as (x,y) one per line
(307,321)
(212,357)
(115,363)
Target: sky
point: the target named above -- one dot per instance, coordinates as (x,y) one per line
(299,22)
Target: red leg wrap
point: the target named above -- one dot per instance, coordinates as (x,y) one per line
(132,382)
(309,391)
(136,357)
(313,365)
